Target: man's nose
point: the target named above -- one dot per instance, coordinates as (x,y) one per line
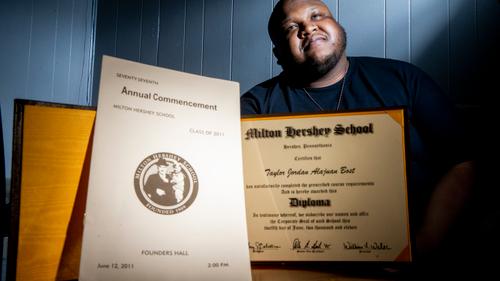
(308,29)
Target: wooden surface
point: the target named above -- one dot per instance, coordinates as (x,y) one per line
(55,142)
(337,272)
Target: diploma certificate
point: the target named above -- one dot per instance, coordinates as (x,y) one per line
(166,197)
(327,187)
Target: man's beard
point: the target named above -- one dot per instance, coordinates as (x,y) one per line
(312,69)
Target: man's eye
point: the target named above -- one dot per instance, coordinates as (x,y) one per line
(316,16)
(290,27)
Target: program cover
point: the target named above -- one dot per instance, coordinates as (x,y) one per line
(166,198)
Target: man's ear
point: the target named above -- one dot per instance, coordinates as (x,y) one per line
(278,54)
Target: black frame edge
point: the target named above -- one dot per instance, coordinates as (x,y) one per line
(16,174)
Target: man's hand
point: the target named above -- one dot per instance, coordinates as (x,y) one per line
(160,192)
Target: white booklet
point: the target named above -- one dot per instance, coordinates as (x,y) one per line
(166,198)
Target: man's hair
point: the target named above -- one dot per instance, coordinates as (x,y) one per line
(274,24)
(164,162)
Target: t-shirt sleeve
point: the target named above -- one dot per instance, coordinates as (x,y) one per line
(249,104)
(436,118)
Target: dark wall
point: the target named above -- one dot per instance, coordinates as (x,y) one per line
(228,38)
(46,53)
(217,38)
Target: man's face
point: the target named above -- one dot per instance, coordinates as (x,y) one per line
(165,169)
(311,39)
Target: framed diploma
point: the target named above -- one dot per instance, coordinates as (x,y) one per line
(165,198)
(327,187)
(50,167)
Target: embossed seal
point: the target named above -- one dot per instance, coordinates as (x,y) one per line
(165,183)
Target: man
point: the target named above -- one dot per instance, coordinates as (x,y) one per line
(159,186)
(318,76)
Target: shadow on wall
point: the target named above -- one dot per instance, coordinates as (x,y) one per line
(4,214)
(463,56)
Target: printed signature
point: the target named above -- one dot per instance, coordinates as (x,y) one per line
(366,246)
(259,247)
(309,244)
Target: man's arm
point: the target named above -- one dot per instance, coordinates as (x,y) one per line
(448,199)
(249,104)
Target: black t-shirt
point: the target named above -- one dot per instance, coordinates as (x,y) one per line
(436,140)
